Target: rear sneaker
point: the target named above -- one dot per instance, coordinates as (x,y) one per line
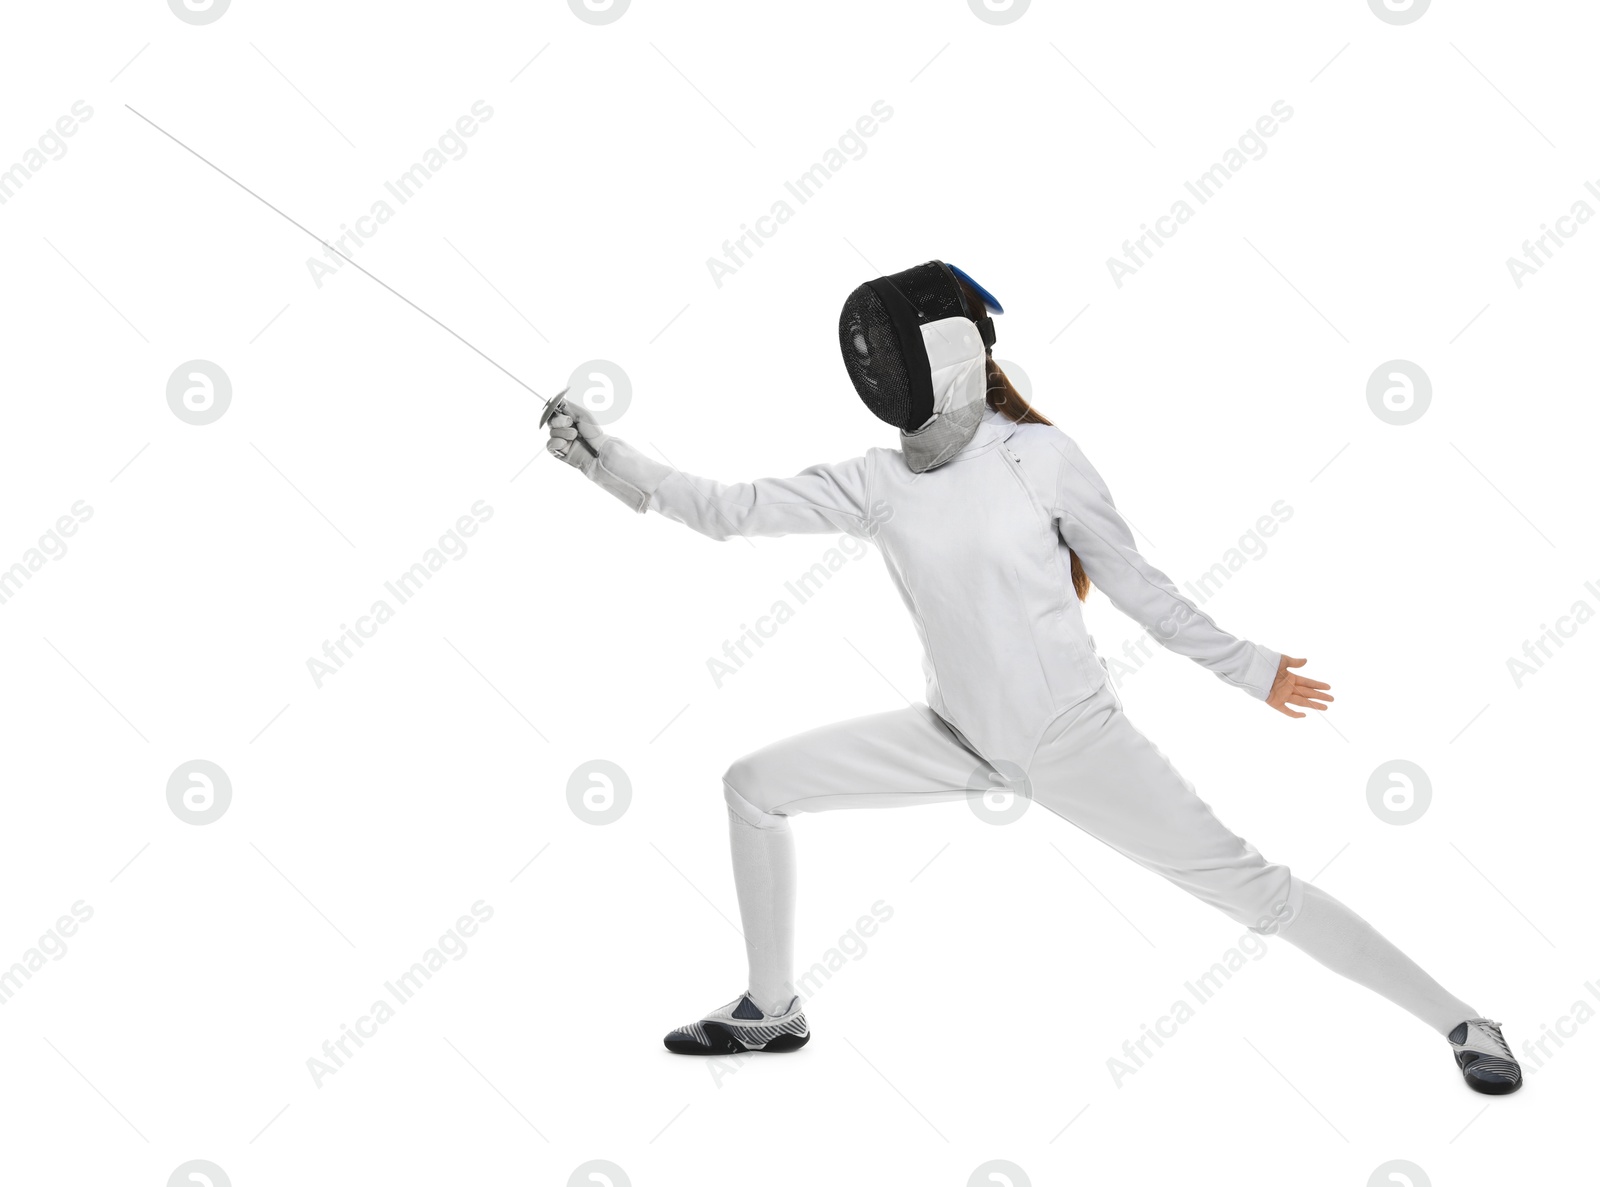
(1483,1057)
(741,1026)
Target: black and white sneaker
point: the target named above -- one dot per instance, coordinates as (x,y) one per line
(1483,1057)
(741,1026)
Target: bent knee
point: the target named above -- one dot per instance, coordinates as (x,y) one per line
(743,775)
(748,795)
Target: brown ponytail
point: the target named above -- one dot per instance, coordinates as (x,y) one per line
(1005,398)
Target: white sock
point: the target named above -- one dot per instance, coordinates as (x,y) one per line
(1334,935)
(764,875)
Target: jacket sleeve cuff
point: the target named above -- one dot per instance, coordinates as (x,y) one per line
(1263,670)
(626,473)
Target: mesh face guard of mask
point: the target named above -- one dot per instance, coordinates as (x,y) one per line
(916,355)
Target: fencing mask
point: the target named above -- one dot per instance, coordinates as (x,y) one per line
(917,353)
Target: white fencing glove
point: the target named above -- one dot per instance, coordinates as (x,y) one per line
(575,438)
(609,462)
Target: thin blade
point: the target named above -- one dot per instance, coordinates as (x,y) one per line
(338,253)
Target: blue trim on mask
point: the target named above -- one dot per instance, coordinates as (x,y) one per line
(989,299)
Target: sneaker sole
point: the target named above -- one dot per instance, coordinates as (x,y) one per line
(1494,1066)
(725,1041)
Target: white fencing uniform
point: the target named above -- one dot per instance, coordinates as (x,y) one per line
(978,549)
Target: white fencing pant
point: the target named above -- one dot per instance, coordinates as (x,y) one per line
(1093,769)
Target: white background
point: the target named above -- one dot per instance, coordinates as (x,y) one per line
(369,813)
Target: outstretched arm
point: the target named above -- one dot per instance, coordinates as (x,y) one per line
(1089,523)
(825,498)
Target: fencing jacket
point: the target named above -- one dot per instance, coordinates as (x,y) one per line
(978,549)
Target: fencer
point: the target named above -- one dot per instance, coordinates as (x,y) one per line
(993,526)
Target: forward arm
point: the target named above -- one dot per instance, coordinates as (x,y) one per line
(823,498)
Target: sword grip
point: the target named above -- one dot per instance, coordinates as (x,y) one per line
(558,407)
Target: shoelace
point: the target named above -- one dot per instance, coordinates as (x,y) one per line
(1492,1029)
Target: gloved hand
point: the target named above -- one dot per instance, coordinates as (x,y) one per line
(575,437)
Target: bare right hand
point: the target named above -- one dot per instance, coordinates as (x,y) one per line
(1289,688)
